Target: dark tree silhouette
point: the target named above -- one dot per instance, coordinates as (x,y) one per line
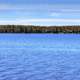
(38,29)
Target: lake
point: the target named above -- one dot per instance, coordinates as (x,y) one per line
(39,57)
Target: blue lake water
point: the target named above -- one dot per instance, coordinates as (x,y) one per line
(39,57)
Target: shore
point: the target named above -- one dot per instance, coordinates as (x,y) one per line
(38,29)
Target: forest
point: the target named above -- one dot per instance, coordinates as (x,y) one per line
(38,29)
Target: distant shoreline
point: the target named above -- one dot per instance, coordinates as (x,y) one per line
(38,29)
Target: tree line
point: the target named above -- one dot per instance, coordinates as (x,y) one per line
(38,29)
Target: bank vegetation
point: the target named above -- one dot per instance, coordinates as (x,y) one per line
(38,29)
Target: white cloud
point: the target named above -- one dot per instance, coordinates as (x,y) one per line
(55,14)
(41,21)
(51,20)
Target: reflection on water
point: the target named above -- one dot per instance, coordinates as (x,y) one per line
(39,57)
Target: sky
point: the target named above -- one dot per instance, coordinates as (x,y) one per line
(40,12)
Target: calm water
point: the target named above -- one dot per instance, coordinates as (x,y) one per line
(39,57)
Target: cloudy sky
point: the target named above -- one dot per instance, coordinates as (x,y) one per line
(40,12)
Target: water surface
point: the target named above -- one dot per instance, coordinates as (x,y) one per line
(39,57)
